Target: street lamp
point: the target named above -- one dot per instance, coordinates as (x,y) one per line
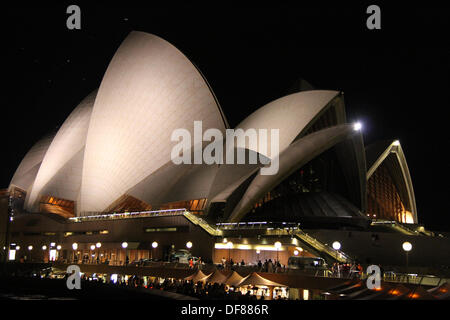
(30,247)
(229,245)
(336,246)
(407,247)
(92,247)
(154,246)
(74,248)
(98,246)
(295,252)
(189,245)
(125,246)
(58,247)
(278,246)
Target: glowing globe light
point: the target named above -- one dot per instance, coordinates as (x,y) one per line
(336,245)
(407,246)
(357,126)
(124,245)
(155,244)
(74,246)
(189,244)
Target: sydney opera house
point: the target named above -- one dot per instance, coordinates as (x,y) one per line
(106,176)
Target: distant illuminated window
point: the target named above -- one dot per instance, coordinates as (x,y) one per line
(168,229)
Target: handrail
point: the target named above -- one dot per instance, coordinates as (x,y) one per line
(339,256)
(203,224)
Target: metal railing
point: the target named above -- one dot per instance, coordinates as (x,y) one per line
(127,215)
(203,224)
(319,246)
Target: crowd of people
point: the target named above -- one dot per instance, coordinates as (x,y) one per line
(347,270)
(199,290)
(267,266)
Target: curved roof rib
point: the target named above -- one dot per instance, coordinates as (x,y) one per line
(293,158)
(69,140)
(290,114)
(391,152)
(29,166)
(149,89)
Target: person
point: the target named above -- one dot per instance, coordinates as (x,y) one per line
(127,260)
(191,263)
(259,265)
(270,266)
(242,262)
(199,263)
(224,261)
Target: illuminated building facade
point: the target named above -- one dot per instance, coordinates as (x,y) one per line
(111,160)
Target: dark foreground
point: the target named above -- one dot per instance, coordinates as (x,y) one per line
(25,288)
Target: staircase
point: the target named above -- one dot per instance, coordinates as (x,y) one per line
(203,224)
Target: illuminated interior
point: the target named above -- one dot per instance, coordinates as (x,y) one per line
(61,207)
(383,198)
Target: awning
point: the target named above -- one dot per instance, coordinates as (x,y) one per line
(234,279)
(217,277)
(256,280)
(198,276)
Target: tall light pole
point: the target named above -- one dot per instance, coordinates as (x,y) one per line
(44,248)
(154,246)
(189,246)
(74,248)
(30,247)
(229,245)
(92,253)
(277,246)
(407,247)
(58,250)
(336,246)
(125,246)
(98,245)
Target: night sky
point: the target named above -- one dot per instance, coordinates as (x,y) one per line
(395,80)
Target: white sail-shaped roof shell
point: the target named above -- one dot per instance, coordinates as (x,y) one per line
(68,142)
(149,89)
(29,166)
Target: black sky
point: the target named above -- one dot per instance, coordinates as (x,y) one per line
(395,80)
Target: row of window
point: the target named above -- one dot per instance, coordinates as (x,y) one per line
(98,232)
